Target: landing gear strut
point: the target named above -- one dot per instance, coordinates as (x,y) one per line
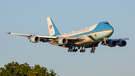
(92,50)
(104,41)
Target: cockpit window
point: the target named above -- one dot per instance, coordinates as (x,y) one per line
(106,23)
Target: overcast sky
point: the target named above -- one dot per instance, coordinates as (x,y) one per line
(29,16)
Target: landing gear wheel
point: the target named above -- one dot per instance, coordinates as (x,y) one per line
(94,48)
(69,50)
(84,50)
(75,50)
(81,50)
(91,51)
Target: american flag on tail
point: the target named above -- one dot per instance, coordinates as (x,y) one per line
(50,26)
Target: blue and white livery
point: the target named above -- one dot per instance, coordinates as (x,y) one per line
(89,37)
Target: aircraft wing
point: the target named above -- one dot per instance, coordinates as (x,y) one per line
(118,39)
(113,42)
(46,37)
(19,34)
(28,35)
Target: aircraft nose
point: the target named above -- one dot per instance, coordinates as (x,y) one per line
(111,30)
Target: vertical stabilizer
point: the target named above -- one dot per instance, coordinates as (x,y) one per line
(53,31)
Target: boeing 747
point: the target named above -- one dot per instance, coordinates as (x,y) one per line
(86,38)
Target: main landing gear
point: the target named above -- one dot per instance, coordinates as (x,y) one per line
(92,50)
(72,50)
(81,50)
(75,50)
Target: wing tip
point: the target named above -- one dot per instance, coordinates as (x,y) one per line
(125,39)
(9,33)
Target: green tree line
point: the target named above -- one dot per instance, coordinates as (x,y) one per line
(16,69)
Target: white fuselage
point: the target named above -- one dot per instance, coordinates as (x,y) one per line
(91,34)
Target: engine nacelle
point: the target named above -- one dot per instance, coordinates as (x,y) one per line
(35,39)
(62,41)
(112,43)
(122,43)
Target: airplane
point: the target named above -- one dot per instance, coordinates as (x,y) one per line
(89,37)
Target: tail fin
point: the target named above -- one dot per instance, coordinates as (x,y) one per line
(53,31)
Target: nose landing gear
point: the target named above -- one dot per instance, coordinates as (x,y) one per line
(104,41)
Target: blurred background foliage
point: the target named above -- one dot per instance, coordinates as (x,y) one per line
(16,69)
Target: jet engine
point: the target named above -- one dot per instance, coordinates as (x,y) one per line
(62,41)
(112,43)
(122,43)
(35,39)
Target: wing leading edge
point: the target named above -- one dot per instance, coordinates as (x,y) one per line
(118,39)
(28,35)
(47,37)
